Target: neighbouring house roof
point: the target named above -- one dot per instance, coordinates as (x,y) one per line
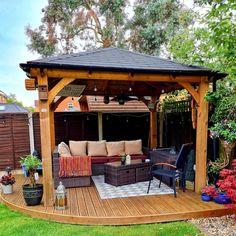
(12,108)
(96,104)
(131,106)
(116,59)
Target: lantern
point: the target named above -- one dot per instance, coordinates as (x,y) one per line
(61,197)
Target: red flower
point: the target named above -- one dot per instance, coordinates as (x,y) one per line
(228,183)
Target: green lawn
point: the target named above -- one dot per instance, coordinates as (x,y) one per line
(14,223)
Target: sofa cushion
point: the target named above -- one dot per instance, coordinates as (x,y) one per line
(78,148)
(64,150)
(115,148)
(133,147)
(99,159)
(97,148)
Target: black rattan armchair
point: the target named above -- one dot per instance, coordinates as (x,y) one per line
(174,172)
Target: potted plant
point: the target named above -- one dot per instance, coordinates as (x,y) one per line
(227,184)
(208,192)
(33,191)
(123,159)
(7,181)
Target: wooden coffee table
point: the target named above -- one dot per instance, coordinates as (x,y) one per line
(117,174)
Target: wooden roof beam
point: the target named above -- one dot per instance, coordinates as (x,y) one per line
(58,87)
(191,90)
(122,76)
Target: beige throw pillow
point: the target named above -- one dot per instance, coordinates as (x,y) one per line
(78,148)
(133,147)
(115,148)
(64,150)
(97,148)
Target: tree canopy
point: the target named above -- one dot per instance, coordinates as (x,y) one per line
(69,25)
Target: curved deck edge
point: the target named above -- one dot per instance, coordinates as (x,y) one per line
(128,220)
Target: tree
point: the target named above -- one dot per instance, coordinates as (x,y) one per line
(155,22)
(69,24)
(211,44)
(11,98)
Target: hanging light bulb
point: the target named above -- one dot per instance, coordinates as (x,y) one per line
(130,89)
(95,87)
(162,91)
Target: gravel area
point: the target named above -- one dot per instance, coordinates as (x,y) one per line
(217,226)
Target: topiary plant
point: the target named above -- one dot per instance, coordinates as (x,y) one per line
(31,163)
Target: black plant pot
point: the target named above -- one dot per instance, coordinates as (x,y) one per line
(33,195)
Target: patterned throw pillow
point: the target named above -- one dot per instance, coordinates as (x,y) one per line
(64,150)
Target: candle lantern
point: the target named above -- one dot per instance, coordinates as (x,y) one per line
(61,197)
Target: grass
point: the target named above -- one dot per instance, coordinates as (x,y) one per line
(15,223)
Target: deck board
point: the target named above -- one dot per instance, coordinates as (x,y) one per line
(86,207)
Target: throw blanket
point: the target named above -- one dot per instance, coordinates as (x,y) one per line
(75,166)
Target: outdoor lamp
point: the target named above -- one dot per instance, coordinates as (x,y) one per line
(61,197)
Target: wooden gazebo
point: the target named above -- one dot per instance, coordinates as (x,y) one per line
(115,72)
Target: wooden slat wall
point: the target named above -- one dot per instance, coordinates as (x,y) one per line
(20,137)
(36,124)
(14,139)
(117,126)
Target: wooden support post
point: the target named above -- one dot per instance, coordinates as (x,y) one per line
(45,131)
(161,125)
(52,128)
(100,126)
(201,139)
(153,129)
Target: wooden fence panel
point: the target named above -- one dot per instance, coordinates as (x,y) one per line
(14,139)
(21,138)
(6,145)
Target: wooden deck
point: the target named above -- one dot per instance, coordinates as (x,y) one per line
(86,207)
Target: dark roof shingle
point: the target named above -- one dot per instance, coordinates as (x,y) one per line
(12,108)
(117,59)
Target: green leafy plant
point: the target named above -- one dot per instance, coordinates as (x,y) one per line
(224,115)
(31,163)
(226,130)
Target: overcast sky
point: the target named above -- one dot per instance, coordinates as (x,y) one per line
(14,16)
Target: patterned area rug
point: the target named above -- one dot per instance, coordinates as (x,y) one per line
(132,190)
